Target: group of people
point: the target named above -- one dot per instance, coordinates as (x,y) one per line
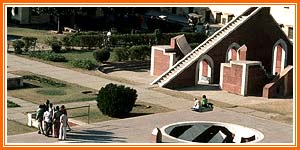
(52,120)
(198,104)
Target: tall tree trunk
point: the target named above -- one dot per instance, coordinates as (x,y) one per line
(59,29)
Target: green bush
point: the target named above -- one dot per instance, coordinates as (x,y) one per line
(120,54)
(55,44)
(89,41)
(94,39)
(83,63)
(29,42)
(49,56)
(18,45)
(116,100)
(139,52)
(67,42)
(101,55)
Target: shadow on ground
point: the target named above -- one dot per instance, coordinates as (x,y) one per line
(136,66)
(201,87)
(93,136)
(13,37)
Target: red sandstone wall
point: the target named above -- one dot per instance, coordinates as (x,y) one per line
(288,80)
(186,78)
(256,80)
(204,68)
(259,33)
(161,62)
(278,59)
(232,78)
(281,88)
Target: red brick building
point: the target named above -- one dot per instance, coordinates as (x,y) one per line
(252,45)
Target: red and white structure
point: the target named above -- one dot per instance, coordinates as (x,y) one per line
(251,47)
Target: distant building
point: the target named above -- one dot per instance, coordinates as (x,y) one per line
(24,15)
(215,15)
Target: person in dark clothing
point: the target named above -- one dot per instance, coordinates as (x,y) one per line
(56,121)
(39,118)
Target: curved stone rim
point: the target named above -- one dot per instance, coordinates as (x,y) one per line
(224,124)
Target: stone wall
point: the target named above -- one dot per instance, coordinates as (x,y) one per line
(161,63)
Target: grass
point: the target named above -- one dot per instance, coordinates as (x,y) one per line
(51,92)
(14,128)
(37,92)
(140,108)
(79,54)
(11,104)
(41,35)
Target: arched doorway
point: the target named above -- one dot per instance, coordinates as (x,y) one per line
(204,71)
(279,56)
(232,53)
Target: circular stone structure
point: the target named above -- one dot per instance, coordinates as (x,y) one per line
(211,132)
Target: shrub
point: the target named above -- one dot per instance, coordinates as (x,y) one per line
(89,41)
(55,44)
(139,52)
(49,56)
(83,63)
(116,100)
(55,57)
(18,45)
(66,41)
(29,42)
(101,55)
(120,54)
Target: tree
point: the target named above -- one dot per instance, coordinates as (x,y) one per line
(116,100)
(58,12)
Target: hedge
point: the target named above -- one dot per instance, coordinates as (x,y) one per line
(18,45)
(46,55)
(94,39)
(101,55)
(29,42)
(120,54)
(83,63)
(139,52)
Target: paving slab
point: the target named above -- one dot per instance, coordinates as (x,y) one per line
(138,129)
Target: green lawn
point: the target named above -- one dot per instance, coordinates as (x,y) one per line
(96,116)
(79,54)
(14,128)
(11,104)
(37,92)
(41,35)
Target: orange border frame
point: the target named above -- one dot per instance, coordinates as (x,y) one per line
(141,2)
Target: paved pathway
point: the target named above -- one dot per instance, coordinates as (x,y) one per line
(136,129)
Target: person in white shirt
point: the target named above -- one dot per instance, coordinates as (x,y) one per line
(63,126)
(47,121)
(196,106)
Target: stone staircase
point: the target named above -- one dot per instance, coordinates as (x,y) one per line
(198,52)
(281,86)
